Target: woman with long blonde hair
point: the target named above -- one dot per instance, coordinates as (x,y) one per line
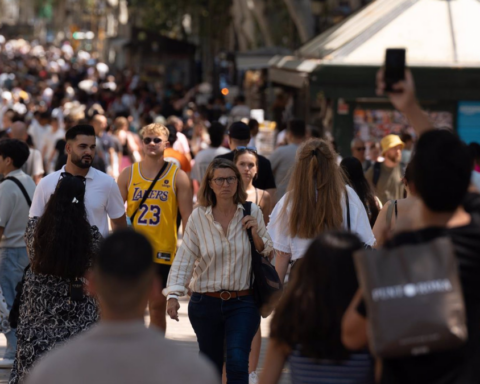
(315,202)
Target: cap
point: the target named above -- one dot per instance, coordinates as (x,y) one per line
(391,141)
(239,131)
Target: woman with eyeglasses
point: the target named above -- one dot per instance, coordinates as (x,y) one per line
(317,200)
(214,260)
(53,305)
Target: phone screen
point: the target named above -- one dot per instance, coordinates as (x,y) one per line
(394,67)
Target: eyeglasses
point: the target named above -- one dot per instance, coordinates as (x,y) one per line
(360,149)
(68,174)
(221,180)
(148,140)
(252,149)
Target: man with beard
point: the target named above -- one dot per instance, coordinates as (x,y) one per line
(102,196)
(387,177)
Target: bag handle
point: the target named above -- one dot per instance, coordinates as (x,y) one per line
(348,210)
(145,196)
(377,169)
(247,210)
(22,188)
(393,205)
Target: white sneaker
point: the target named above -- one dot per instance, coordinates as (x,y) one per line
(6,363)
(253,378)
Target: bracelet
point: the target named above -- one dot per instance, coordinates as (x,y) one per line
(172,296)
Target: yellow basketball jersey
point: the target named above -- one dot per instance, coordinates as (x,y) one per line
(157,217)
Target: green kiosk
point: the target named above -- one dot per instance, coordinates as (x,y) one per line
(443,53)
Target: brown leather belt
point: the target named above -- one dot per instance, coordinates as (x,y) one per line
(227,295)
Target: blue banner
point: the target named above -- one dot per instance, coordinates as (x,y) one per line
(468,121)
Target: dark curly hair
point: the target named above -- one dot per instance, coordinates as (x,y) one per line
(63,237)
(322,285)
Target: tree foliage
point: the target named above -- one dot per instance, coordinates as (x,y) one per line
(167,16)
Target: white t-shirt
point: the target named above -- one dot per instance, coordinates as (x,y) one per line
(102,198)
(38,134)
(34,164)
(278,227)
(181,144)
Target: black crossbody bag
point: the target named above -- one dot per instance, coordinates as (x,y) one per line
(15,310)
(145,196)
(264,279)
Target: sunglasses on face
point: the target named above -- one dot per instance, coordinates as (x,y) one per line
(251,149)
(148,140)
(360,149)
(221,180)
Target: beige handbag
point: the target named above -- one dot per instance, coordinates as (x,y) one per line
(413,297)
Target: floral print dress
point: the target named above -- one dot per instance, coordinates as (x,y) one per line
(47,314)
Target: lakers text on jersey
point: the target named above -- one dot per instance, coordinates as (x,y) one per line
(157,217)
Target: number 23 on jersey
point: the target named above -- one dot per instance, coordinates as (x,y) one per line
(149,214)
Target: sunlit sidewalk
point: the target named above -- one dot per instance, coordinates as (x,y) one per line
(180,331)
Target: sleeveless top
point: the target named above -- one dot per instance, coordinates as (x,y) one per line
(157,217)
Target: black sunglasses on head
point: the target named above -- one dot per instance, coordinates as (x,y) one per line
(251,149)
(148,140)
(68,174)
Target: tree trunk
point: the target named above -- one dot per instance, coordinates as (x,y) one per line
(263,22)
(301,13)
(244,26)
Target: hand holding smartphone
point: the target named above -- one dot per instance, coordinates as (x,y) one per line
(394,67)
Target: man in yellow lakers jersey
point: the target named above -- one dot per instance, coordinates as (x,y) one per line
(156,218)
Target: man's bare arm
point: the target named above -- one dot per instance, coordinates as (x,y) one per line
(405,101)
(119,223)
(123,181)
(184,196)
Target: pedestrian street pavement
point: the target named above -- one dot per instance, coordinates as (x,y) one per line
(183,333)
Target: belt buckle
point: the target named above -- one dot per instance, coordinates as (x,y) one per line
(229,295)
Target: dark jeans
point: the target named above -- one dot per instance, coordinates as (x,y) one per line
(232,323)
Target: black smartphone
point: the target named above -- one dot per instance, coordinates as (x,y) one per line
(394,67)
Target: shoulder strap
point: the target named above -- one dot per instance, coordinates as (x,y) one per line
(145,196)
(246,212)
(247,208)
(348,210)
(377,168)
(22,188)
(390,208)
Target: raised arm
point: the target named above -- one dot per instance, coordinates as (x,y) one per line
(405,101)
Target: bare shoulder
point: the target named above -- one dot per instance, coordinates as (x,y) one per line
(266,195)
(182,179)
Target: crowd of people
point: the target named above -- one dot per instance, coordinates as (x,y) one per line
(85,152)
